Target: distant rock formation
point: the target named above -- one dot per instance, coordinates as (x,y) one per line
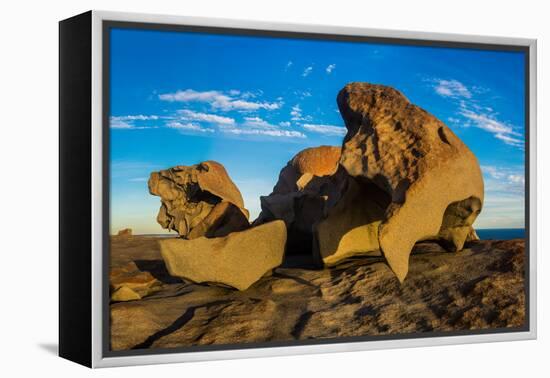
(236,260)
(308,186)
(126,232)
(433,179)
(199,200)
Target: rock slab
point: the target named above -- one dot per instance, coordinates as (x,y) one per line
(236,260)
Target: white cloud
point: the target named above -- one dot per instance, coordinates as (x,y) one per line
(139,117)
(487,121)
(220,100)
(257,122)
(272,133)
(128,122)
(284,124)
(482,117)
(451,88)
(288,65)
(259,126)
(328,130)
(307,71)
(118,124)
(188,127)
(205,117)
(330,68)
(296,114)
(504,202)
(507,180)
(138,179)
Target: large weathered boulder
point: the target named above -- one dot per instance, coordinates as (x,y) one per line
(308,186)
(199,200)
(434,180)
(236,260)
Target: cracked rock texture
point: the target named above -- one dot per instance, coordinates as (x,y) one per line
(480,287)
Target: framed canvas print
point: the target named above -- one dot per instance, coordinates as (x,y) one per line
(234,189)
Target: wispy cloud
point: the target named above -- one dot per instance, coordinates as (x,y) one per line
(330,68)
(138,117)
(189,127)
(297,115)
(507,180)
(482,117)
(307,71)
(271,133)
(259,126)
(220,100)
(451,88)
(328,130)
(301,94)
(128,122)
(486,120)
(257,122)
(138,179)
(504,202)
(205,117)
(288,65)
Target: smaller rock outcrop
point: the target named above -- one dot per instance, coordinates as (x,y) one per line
(236,260)
(308,186)
(128,283)
(199,200)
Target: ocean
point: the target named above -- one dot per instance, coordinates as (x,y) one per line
(501,233)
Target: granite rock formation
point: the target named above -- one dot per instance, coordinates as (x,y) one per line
(434,181)
(309,185)
(199,200)
(236,260)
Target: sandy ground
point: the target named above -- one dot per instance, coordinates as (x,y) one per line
(480,287)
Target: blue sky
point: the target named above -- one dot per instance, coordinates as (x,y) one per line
(251,103)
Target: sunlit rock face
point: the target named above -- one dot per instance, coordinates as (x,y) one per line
(434,180)
(237,260)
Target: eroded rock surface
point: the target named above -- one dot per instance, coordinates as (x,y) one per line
(236,260)
(480,287)
(199,200)
(309,185)
(350,228)
(433,179)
